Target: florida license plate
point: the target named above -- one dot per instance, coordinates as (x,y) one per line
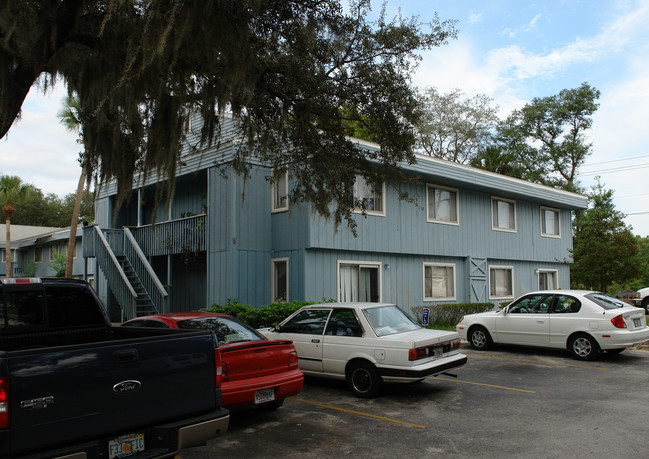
(636,322)
(264,395)
(126,445)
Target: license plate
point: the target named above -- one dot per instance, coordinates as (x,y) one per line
(636,322)
(264,395)
(438,351)
(126,445)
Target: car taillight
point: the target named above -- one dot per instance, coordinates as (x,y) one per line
(292,359)
(618,322)
(219,367)
(433,351)
(4,403)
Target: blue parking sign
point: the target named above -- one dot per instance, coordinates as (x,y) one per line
(424,319)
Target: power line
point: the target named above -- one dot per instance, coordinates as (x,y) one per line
(616,160)
(619,169)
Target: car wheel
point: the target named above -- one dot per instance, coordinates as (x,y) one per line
(583,347)
(364,380)
(271,406)
(645,305)
(480,339)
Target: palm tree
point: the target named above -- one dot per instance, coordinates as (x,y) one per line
(70,117)
(12,192)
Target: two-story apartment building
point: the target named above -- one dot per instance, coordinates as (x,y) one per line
(471,236)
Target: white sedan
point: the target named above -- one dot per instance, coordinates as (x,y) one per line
(366,344)
(584,322)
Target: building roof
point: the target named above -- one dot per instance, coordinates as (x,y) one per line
(19,232)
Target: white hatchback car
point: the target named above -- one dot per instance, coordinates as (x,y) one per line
(584,322)
(366,344)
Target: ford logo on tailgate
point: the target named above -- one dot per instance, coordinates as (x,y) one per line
(127,386)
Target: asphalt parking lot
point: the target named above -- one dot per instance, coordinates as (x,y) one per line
(509,402)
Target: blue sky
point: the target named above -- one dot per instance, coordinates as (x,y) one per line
(510,50)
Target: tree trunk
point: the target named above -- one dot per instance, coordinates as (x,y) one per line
(72,240)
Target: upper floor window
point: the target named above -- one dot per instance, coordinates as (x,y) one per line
(280,191)
(368,197)
(501,281)
(442,204)
(503,214)
(439,281)
(550,222)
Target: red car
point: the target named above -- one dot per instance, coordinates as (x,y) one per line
(256,370)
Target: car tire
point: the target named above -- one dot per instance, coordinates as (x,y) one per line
(364,380)
(645,305)
(480,339)
(583,347)
(271,406)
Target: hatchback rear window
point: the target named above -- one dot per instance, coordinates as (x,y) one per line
(605,301)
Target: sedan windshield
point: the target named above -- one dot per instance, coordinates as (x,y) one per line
(605,301)
(227,329)
(387,320)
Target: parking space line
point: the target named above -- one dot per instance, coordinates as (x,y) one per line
(486,385)
(540,361)
(359,413)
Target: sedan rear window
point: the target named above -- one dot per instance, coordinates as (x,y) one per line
(227,329)
(605,301)
(387,320)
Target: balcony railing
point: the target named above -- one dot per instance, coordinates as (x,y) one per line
(172,237)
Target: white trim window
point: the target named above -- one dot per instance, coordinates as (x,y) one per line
(359,281)
(550,222)
(279,289)
(442,205)
(279,192)
(501,282)
(439,281)
(55,250)
(503,214)
(368,198)
(548,279)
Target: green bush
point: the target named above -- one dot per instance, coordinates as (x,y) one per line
(264,316)
(448,315)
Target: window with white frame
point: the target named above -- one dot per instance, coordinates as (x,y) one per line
(279,187)
(550,222)
(38,255)
(359,281)
(442,204)
(439,281)
(280,279)
(368,197)
(501,281)
(503,213)
(548,279)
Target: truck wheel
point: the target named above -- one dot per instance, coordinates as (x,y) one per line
(364,380)
(645,305)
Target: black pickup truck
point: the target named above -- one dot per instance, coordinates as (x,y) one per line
(73,386)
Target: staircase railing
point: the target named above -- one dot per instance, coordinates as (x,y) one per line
(145,272)
(117,280)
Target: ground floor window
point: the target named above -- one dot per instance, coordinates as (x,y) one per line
(359,282)
(439,281)
(501,281)
(280,279)
(548,279)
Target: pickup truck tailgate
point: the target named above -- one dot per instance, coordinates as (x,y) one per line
(108,388)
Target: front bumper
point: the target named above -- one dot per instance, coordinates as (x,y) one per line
(415,373)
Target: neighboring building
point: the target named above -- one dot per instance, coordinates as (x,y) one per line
(34,248)
(473,236)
